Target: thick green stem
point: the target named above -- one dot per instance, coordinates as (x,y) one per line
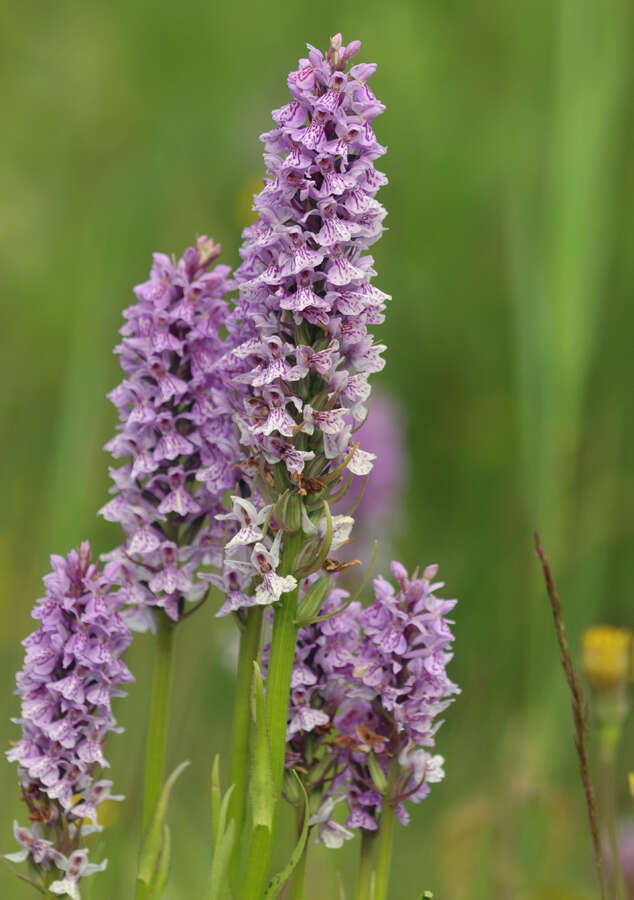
(364,875)
(278,685)
(240,748)
(157,727)
(385,835)
(384,851)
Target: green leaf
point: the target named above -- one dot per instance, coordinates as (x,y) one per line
(222,858)
(313,600)
(343,490)
(223,836)
(224,809)
(278,881)
(153,840)
(356,503)
(162,869)
(262,788)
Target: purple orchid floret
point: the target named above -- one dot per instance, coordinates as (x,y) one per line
(72,671)
(74,868)
(400,687)
(176,431)
(302,350)
(368,687)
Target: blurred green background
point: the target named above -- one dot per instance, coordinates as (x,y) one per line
(132,126)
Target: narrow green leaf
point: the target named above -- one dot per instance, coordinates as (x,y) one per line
(215,798)
(162,869)
(278,881)
(313,600)
(262,787)
(343,490)
(153,838)
(356,503)
(224,809)
(222,857)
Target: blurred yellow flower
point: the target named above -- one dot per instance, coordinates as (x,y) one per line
(107,812)
(631,779)
(606,654)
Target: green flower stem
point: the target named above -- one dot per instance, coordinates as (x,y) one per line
(384,852)
(157,727)
(364,875)
(240,748)
(278,681)
(385,836)
(278,686)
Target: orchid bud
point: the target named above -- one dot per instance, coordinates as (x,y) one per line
(309,555)
(292,789)
(376,772)
(313,600)
(288,511)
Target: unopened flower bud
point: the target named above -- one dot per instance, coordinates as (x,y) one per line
(313,600)
(292,789)
(377,773)
(308,557)
(288,511)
